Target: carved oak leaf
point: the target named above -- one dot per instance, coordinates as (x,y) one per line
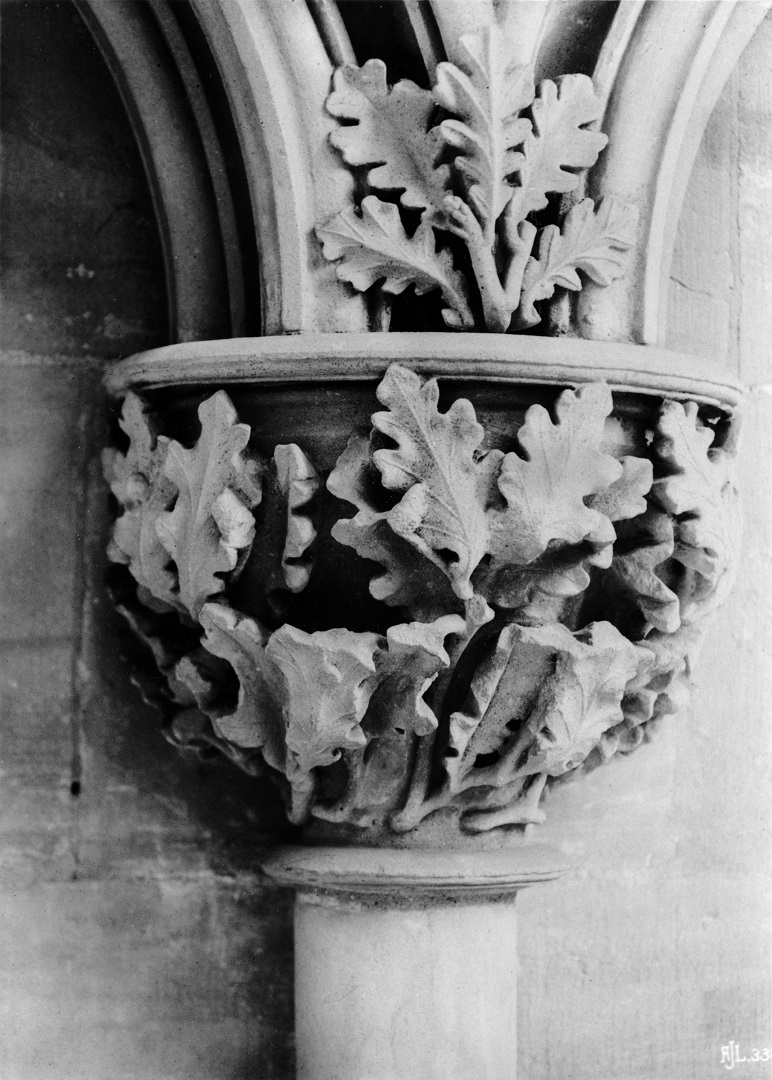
(664,687)
(701,493)
(375,246)
(447,485)
(645,545)
(539,590)
(156,644)
(545,492)
(191,729)
(414,656)
(488,97)
(256,722)
(195,679)
(594,242)
(298,483)
(137,480)
(211,523)
(328,679)
(583,698)
(408,581)
(560,142)
(625,498)
(390,134)
(657,691)
(501,696)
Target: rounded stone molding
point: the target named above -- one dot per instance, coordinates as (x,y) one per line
(512,359)
(402,876)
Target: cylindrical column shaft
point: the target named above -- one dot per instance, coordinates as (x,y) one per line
(405,992)
(406,959)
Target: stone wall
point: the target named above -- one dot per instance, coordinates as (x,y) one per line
(135,939)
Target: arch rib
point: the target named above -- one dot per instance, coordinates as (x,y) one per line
(655,126)
(277,76)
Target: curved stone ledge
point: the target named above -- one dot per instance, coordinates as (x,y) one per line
(318,358)
(412,875)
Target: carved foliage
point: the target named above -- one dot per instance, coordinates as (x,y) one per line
(389,133)
(446,481)
(677,561)
(544,491)
(487,97)
(460,506)
(189,523)
(503,679)
(559,143)
(328,678)
(407,580)
(594,242)
(577,699)
(700,494)
(486,131)
(256,722)
(138,481)
(583,698)
(217,487)
(373,246)
(298,484)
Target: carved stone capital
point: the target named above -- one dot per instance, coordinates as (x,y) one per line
(419,603)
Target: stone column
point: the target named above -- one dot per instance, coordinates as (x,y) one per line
(406,959)
(419,579)
(416,633)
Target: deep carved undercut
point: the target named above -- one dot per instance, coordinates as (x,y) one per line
(539,606)
(473,186)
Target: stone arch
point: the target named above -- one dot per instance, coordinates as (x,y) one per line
(274,64)
(654,129)
(226,199)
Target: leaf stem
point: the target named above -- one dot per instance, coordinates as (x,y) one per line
(518,239)
(303,788)
(525,811)
(342,810)
(411,813)
(414,810)
(498,300)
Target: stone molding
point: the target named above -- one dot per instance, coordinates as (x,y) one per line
(510,359)
(412,876)
(537,590)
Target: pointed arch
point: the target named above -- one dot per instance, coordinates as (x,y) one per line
(655,126)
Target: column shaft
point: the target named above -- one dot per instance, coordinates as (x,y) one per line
(405,992)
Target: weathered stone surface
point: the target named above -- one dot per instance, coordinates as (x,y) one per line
(82,261)
(607,562)
(125,991)
(670,881)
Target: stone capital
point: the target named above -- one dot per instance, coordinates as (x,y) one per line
(418,603)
